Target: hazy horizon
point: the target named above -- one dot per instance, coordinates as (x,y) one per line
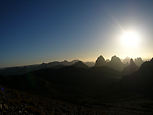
(69,60)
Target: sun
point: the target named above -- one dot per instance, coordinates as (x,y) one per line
(130,39)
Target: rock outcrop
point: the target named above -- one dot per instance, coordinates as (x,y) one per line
(100,61)
(116,63)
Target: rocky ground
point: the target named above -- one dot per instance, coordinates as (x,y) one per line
(13,102)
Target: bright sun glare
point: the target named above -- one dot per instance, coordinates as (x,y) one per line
(130,39)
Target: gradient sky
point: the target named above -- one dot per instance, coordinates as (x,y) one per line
(36,31)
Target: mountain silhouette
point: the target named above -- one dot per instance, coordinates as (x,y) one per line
(138,61)
(80,64)
(29,68)
(146,71)
(116,63)
(140,81)
(75,82)
(132,67)
(100,61)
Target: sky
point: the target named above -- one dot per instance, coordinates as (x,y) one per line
(37,31)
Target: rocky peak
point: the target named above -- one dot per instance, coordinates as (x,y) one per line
(100,61)
(115,60)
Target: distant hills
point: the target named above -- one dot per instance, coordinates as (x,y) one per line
(25,69)
(132,67)
(75,81)
(114,63)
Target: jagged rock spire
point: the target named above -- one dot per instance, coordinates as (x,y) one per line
(116,63)
(115,60)
(100,61)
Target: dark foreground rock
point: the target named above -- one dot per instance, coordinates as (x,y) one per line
(13,102)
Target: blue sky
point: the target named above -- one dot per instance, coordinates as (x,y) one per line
(36,31)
